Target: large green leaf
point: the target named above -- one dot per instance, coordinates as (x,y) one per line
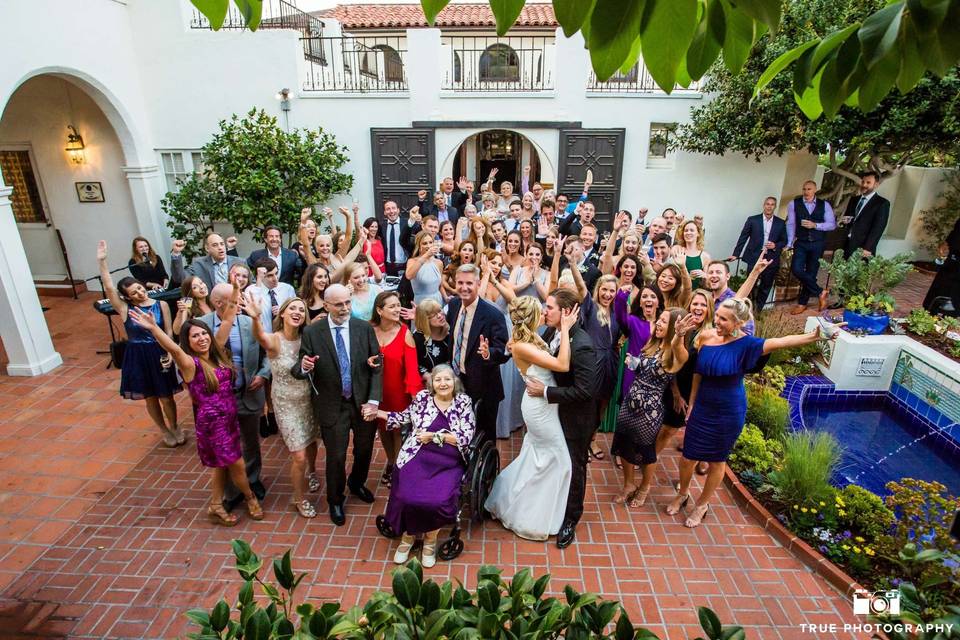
(571,14)
(214,10)
(632,57)
(911,64)
(878,35)
(406,587)
(738,37)
(258,627)
(614,25)
(667,25)
(809,99)
(431,8)
(927,15)
(878,81)
(506,13)
(709,621)
(705,47)
(765,11)
(220,615)
(828,44)
(252,10)
(782,62)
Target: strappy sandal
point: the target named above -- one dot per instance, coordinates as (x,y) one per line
(696,517)
(683,503)
(638,498)
(625,497)
(180,436)
(313,483)
(304,508)
(218,515)
(253,508)
(169,440)
(596,453)
(616,461)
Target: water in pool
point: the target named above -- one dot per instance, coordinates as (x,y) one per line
(867,435)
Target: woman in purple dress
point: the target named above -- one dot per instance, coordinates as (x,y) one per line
(208,372)
(425,492)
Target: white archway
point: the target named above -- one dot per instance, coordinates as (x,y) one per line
(449,141)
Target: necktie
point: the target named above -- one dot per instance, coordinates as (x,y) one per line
(458,344)
(391,240)
(346,384)
(860,205)
(221,272)
(273,300)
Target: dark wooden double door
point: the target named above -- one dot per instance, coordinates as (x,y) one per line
(403,163)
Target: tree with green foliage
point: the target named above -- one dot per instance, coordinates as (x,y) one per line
(922,126)
(938,220)
(858,63)
(256,174)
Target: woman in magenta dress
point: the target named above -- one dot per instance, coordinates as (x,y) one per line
(208,372)
(401,371)
(426,484)
(718,403)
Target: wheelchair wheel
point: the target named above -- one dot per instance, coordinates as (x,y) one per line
(485,471)
(450,548)
(385,529)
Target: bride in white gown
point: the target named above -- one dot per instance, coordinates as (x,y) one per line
(529,497)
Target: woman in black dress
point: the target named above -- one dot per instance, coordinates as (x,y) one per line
(315,281)
(146,266)
(432,337)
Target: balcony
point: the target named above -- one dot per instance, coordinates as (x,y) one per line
(348,64)
(638,81)
(484,64)
(277,14)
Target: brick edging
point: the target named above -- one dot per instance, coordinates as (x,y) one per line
(800,549)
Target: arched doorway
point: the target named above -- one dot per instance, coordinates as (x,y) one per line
(502,149)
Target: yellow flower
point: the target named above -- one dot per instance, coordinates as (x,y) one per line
(859,539)
(822,503)
(841,512)
(795,507)
(844,547)
(856,549)
(813,510)
(804,510)
(840,502)
(870,552)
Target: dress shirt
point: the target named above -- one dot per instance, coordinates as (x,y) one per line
(767,226)
(235,344)
(398,253)
(829,220)
(282,291)
(277,258)
(220,271)
(469,310)
(345,333)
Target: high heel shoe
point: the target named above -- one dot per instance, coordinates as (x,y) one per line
(253,508)
(638,498)
(180,436)
(674,511)
(218,515)
(304,508)
(626,496)
(696,517)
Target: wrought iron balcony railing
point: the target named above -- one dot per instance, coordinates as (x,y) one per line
(492,64)
(372,64)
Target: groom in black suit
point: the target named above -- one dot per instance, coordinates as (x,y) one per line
(576,393)
(342,403)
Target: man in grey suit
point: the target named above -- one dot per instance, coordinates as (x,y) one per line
(252,374)
(212,268)
(341,357)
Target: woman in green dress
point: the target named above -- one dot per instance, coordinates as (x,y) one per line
(689,238)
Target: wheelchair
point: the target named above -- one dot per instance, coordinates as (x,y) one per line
(483,466)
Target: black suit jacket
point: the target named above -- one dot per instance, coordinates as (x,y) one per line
(326,389)
(428,208)
(750,242)
(406,236)
(576,390)
(867,229)
(290,265)
(482,377)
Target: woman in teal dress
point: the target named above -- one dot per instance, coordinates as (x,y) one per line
(689,239)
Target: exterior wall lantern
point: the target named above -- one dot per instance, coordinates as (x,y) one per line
(75,145)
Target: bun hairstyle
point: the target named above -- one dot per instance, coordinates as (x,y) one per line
(124,284)
(525,315)
(741,308)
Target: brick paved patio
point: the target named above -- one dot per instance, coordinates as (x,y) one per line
(103,534)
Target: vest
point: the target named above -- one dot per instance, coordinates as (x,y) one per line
(800,214)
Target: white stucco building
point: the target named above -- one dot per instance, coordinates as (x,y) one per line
(145,82)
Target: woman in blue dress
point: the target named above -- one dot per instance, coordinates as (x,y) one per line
(718,402)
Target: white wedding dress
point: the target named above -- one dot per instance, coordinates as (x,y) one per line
(529,497)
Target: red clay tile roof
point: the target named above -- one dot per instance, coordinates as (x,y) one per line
(380,16)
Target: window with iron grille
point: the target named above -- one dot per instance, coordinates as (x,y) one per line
(17,171)
(499,63)
(178,165)
(660,134)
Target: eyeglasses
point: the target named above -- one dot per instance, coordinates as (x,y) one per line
(339,305)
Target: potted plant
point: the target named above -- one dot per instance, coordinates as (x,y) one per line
(864,284)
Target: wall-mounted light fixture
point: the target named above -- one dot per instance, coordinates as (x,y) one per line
(284,97)
(75,145)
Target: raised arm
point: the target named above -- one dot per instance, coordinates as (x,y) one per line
(111,291)
(785,342)
(525,181)
(350,257)
(229,317)
(578,281)
(607,261)
(555,263)
(747,286)
(374,267)
(269,341)
(620,310)
(305,241)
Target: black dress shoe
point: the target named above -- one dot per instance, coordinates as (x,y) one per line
(230,504)
(337,516)
(363,493)
(567,534)
(258,490)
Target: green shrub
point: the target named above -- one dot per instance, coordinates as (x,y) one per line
(755,452)
(861,510)
(924,511)
(809,460)
(920,322)
(768,411)
(420,608)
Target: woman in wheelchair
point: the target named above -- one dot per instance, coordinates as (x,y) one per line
(425,492)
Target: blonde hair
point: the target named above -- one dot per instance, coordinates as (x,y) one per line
(678,236)
(741,308)
(708,318)
(419,241)
(425,310)
(525,315)
(665,345)
(278,321)
(350,269)
(603,315)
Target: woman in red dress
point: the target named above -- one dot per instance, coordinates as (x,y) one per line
(373,241)
(401,373)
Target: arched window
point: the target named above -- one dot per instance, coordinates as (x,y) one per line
(499,63)
(392,63)
(457,68)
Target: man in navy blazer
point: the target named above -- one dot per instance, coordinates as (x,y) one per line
(288,260)
(866,217)
(478,346)
(763,235)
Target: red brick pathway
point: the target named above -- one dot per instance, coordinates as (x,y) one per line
(102,530)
